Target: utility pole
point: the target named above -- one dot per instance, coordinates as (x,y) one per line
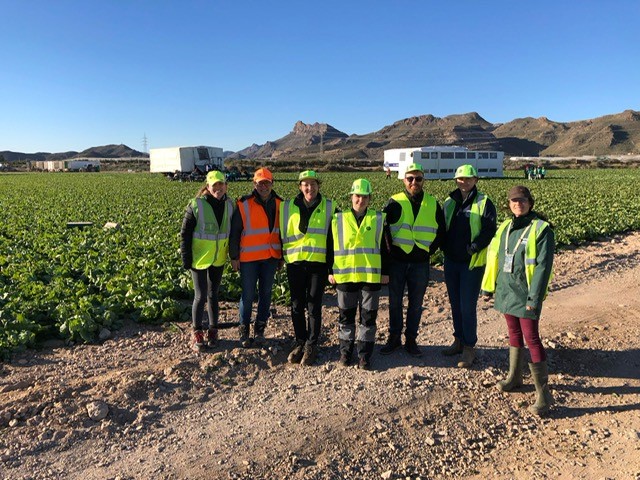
(145,142)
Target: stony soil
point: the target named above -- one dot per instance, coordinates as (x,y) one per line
(143,405)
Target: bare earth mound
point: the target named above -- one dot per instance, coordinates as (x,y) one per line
(142,405)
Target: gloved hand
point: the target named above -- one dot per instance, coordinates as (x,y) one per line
(471,249)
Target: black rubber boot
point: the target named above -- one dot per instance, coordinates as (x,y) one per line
(394,342)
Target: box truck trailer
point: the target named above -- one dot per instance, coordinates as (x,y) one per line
(185,159)
(440,162)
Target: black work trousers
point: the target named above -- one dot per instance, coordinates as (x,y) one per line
(306,284)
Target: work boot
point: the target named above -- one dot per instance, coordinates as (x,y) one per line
(454,349)
(310,354)
(393,343)
(365,351)
(514,379)
(364,363)
(295,356)
(245,341)
(211,336)
(258,335)
(468,356)
(346,352)
(197,340)
(411,346)
(540,376)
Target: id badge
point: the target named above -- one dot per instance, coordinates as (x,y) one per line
(508,263)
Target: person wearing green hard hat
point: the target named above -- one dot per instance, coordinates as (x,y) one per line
(204,247)
(470,218)
(416,222)
(305,230)
(359,269)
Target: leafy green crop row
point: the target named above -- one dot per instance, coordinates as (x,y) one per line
(57,281)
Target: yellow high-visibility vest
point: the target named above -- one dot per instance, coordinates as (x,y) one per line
(420,231)
(357,249)
(312,245)
(210,245)
(478,259)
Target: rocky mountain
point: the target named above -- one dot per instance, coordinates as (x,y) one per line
(610,134)
(105,151)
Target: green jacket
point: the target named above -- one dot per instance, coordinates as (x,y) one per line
(512,294)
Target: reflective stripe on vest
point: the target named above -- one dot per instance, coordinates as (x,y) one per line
(257,242)
(420,231)
(357,249)
(210,244)
(493,268)
(478,259)
(312,245)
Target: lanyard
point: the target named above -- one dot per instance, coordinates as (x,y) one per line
(506,240)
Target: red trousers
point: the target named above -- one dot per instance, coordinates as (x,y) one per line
(527,328)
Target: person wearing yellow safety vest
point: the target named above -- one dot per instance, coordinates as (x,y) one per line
(417,229)
(305,229)
(358,271)
(518,272)
(255,250)
(470,217)
(204,248)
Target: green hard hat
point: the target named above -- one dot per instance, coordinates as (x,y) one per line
(215,176)
(308,175)
(361,186)
(414,167)
(466,171)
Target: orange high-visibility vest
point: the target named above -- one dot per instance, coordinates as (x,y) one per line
(256,241)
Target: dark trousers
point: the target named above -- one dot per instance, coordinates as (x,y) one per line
(527,328)
(463,287)
(206,284)
(306,284)
(415,276)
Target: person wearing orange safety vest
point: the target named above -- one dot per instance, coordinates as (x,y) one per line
(255,250)
(417,229)
(360,267)
(470,217)
(305,229)
(204,248)
(519,269)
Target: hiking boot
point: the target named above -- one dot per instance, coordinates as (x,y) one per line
(540,376)
(411,347)
(364,364)
(295,356)
(514,379)
(393,343)
(245,340)
(258,335)
(197,340)
(454,349)
(345,360)
(211,336)
(310,354)
(468,356)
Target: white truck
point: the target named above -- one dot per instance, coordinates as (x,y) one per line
(185,159)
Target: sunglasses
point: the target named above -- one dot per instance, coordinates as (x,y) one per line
(411,179)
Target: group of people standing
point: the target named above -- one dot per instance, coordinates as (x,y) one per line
(361,249)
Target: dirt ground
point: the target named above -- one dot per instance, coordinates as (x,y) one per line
(143,405)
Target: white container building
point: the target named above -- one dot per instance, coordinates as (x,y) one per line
(184,159)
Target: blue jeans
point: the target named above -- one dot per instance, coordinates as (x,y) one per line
(416,278)
(263,272)
(463,287)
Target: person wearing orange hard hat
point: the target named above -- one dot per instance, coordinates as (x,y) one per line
(255,250)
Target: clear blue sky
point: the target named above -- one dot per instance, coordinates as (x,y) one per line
(77,74)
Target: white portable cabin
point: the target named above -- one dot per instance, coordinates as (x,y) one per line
(184,159)
(442,162)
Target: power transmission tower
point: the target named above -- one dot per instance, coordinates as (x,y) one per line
(145,142)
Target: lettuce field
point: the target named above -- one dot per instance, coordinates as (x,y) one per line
(71,282)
